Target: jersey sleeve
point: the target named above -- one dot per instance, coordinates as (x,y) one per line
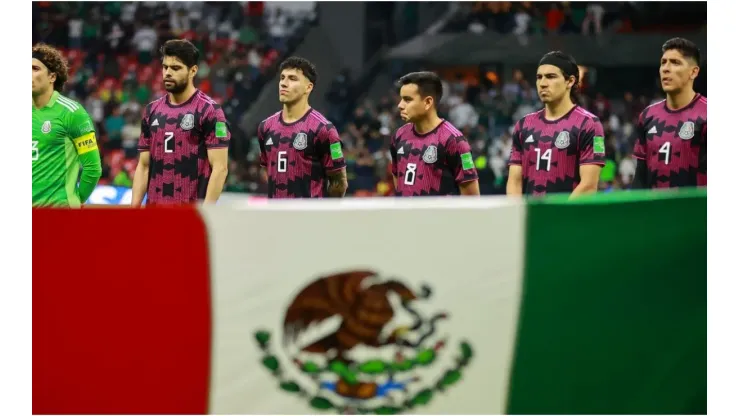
(261,141)
(81,131)
(591,145)
(216,131)
(640,149)
(394,154)
(330,149)
(517,151)
(460,160)
(701,179)
(145,139)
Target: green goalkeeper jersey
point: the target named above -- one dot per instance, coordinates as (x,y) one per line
(63,140)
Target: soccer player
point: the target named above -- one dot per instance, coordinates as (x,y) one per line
(561,147)
(671,145)
(299,147)
(429,156)
(63,137)
(184,139)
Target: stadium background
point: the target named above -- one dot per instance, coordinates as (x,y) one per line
(486,52)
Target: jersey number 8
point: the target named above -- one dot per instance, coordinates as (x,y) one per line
(410,177)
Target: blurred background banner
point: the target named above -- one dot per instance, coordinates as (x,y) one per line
(487,53)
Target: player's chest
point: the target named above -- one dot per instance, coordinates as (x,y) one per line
(673,135)
(551,144)
(420,156)
(172,132)
(48,129)
(293,146)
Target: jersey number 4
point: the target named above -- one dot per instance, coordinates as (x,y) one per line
(34,150)
(666,150)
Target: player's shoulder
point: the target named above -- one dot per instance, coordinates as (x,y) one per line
(318,117)
(270,122)
(206,100)
(156,104)
(404,131)
(653,109)
(69,106)
(530,119)
(701,104)
(585,117)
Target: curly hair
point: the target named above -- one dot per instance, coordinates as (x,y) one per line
(54,61)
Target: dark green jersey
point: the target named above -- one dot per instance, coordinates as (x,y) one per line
(63,140)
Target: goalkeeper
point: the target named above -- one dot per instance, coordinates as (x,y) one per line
(63,137)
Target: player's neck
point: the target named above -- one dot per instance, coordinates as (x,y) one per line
(182,97)
(680,99)
(42,99)
(295,111)
(556,110)
(427,124)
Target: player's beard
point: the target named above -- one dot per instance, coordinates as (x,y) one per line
(176,87)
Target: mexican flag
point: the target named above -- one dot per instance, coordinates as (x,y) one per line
(451,306)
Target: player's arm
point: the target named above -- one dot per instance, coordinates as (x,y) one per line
(83,132)
(330,146)
(460,162)
(394,162)
(591,157)
(217,138)
(514,185)
(640,181)
(701,180)
(141,175)
(141,179)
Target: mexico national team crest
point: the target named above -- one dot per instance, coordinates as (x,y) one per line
(430,155)
(357,343)
(563,140)
(687,130)
(188,122)
(46,127)
(301,141)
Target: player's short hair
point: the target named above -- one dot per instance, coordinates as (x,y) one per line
(686,47)
(307,67)
(568,67)
(54,61)
(181,49)
(429,84)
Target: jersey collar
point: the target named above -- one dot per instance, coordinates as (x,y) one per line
(51,102)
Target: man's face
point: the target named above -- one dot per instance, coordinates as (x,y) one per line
(293,85)
(551,83)
(412,105)
(42,79)
(175,74)
(676,71)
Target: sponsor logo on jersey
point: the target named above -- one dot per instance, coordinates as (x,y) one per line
(467,161)
(86,143)
(336,151)
(221,130)
(599,146)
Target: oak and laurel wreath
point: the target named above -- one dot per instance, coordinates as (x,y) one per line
(450,377)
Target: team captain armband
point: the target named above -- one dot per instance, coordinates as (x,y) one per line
(85,143)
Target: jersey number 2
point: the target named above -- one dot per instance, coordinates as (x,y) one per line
(169,145)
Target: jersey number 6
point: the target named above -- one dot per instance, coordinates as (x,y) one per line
(282,161)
